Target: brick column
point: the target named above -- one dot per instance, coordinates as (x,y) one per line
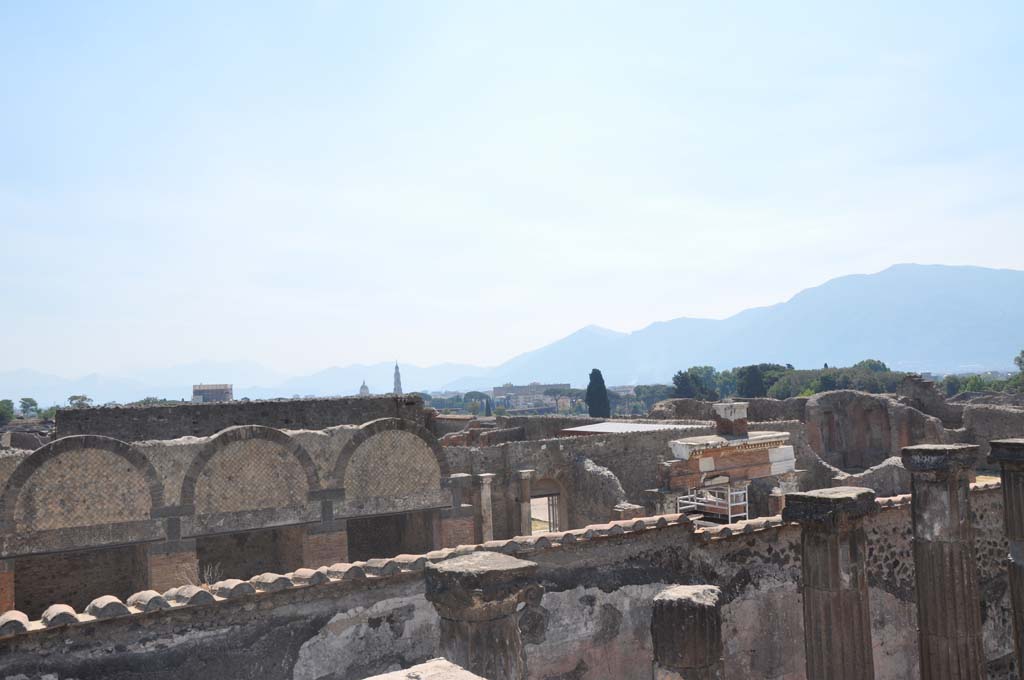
(837,617)
(524,483)
(948,603)
(686,630)
(171,563)
(1009,453)
(321,544)
(484,508)
(6,585)
(456,523)
(476,596)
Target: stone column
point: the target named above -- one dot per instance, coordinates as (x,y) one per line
(476,596)
(6,585)
(1009,453)
(457,526)
(837,617)
(686,629)
(948,603)
(484,508)
(523,496)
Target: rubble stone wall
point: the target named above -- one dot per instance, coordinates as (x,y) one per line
(592,623)
(986,422)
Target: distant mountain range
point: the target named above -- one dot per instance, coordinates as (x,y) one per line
(937,318)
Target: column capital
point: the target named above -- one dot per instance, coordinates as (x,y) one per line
(1007,451)
(525,474)
(484,478)
(831,507)
(939,458)
(480,586)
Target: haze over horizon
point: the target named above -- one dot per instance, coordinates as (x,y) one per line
(348,184)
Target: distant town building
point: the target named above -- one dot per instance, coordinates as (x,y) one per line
(527,396)
(398,381)
(204,394)
(364,391)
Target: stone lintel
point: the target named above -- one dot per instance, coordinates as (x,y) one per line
(329,527)
(941,458)
(829,506)
(1007,451)
(183,545)
(335,494)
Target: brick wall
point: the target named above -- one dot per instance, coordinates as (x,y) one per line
(243,555)
(77,578)
(456,531)
(7,585)
(303,546)
(137,423)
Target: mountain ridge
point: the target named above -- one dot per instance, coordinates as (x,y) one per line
(939,318)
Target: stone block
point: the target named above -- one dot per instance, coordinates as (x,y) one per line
(346,572)
(308,577)
(831,506)
(232,588)
(148,601)
(106,607)
(58,615)
(189,595)
(435,669)
(270,582)
(13,622)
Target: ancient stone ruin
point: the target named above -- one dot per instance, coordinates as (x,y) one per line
(362,539)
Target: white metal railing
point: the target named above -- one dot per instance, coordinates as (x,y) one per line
(724,500)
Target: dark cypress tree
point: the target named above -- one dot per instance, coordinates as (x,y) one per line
(597,396)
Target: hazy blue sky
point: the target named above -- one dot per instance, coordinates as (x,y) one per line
(319,184)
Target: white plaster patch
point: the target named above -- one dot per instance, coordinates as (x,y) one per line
(707,464)
(783,466)
(781,453)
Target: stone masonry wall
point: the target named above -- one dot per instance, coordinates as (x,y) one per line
(138,423)
(592,623)
(90,491)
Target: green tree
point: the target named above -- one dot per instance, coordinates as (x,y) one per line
(649,395)
(873,365)
(598,404)
(684,386)
(6,411)
(28,405)
(951,385)
(48,413)
(79,401)
(1019,361)
(750,381)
